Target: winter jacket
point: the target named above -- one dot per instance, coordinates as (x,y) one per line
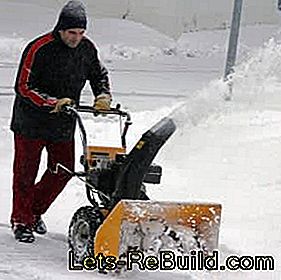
(50,70)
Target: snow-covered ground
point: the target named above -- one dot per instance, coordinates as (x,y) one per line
(225,152)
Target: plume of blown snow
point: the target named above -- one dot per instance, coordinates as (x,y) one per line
(200,106)
(256,83)
(258,79)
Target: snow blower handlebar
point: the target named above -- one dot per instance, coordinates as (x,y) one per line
(74,111)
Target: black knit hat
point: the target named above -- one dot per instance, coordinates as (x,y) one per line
(73,15)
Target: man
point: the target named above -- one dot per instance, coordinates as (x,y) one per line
(53,71)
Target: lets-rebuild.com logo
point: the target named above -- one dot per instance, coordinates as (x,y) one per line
(168,260)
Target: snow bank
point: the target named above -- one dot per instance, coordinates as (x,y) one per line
(10,49)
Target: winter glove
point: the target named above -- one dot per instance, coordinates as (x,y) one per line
(62,102)
(102,102)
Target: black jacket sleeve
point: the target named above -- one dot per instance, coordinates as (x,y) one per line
(98,74)
(28,73)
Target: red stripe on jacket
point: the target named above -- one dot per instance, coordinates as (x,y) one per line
(23,89)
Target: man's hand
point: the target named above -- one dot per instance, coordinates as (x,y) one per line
(62,102)
(102,102)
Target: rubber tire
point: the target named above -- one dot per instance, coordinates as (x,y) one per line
(87,218)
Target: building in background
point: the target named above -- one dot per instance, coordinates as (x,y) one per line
(169,17)
(177,16)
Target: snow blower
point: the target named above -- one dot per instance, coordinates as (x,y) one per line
(121,217)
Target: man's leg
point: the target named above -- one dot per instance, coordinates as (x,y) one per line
(26,163)
(52,184)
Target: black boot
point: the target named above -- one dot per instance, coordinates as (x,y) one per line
(23,233)
(39,226)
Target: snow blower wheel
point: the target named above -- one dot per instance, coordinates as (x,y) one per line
(82,230)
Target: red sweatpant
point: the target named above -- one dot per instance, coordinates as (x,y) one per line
(31,199)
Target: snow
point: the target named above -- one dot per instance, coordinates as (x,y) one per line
(224,152)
